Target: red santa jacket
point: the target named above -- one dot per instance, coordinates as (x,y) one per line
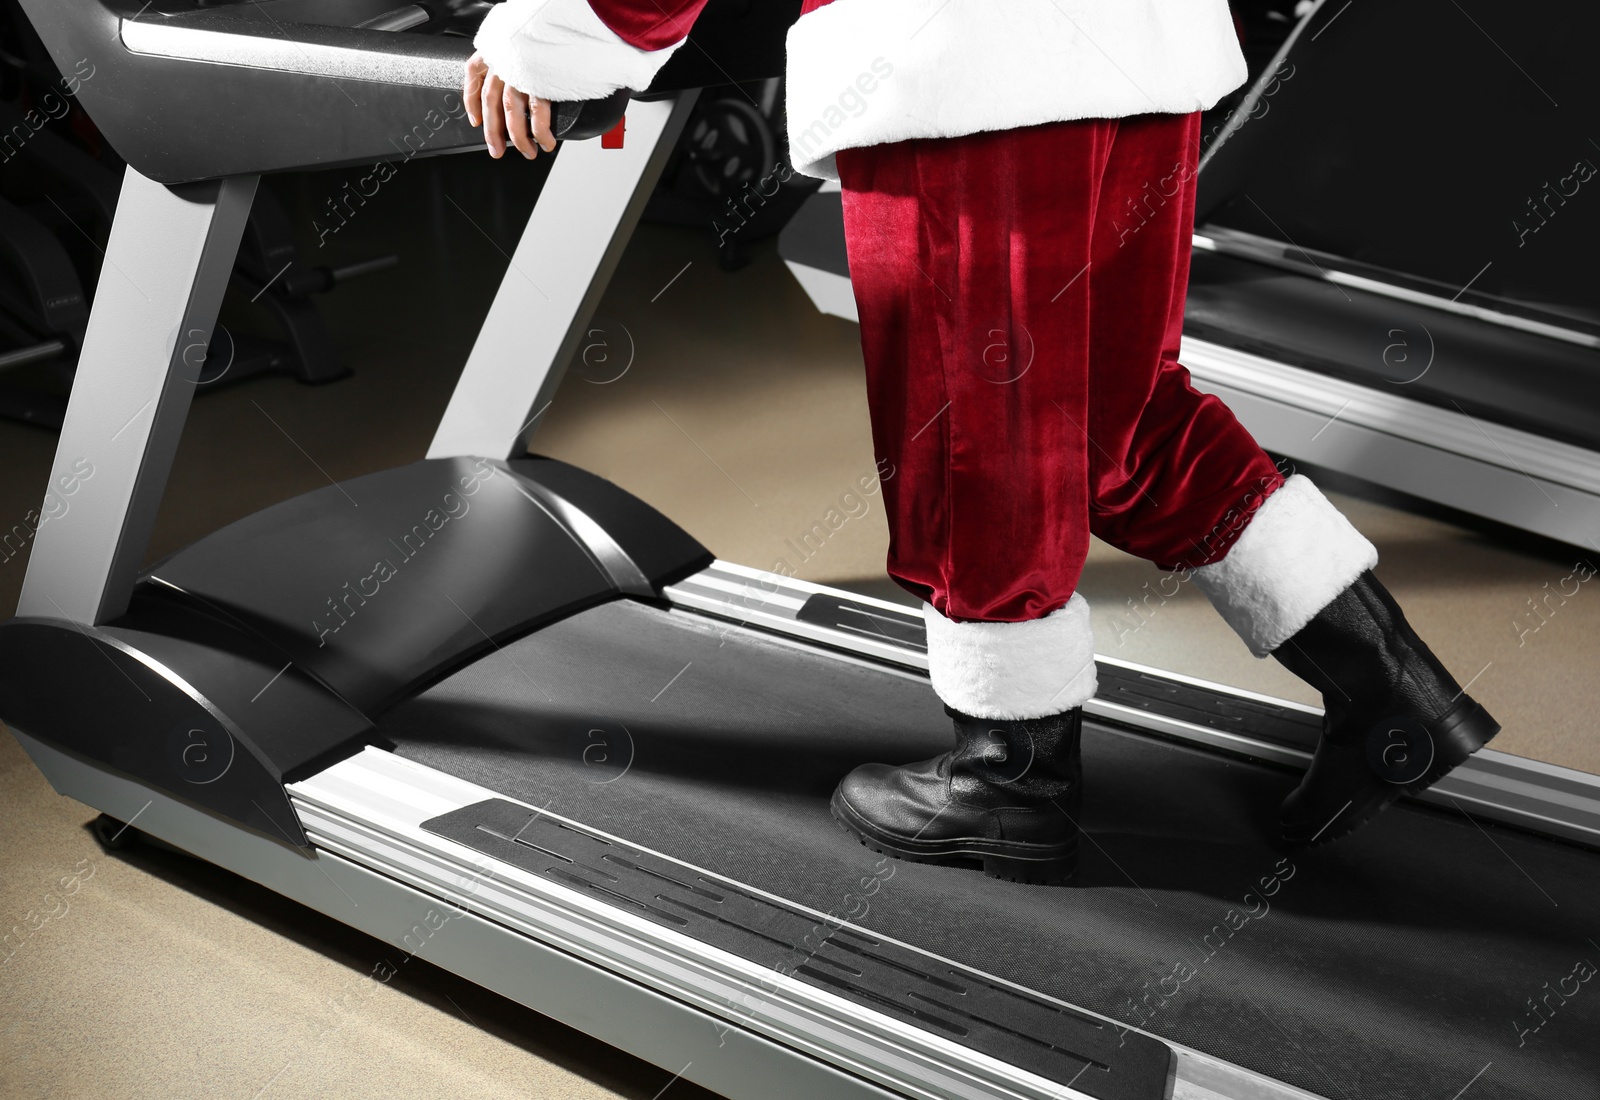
(862,72)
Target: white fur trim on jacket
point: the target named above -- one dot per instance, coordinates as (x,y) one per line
(1013,670)
(866,72)
(1294,556)
(561,51)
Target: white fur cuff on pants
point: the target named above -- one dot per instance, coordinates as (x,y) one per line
(1013,670)
(1296,554)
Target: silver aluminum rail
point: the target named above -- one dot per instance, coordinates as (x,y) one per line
(1512,790)
(369,809)
(1304,261)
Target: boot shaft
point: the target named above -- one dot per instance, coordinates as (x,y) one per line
(1361,653)
(1035,759)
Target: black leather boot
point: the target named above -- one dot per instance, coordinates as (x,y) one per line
(1395,720)
(1008,796)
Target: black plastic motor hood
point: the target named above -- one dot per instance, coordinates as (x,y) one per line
(379,584)
(181,700)
(266,649)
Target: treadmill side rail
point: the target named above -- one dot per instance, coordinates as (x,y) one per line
(1099,1059)
(373,809)
(1542,798)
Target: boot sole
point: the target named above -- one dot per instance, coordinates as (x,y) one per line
(1008,860)
(1459,734)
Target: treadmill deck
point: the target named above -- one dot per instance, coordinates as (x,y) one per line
(1396,963)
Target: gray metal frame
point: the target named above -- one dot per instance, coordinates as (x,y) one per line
(557,275)
(1490,470)
(161,283)
(1286,257)
(166,267)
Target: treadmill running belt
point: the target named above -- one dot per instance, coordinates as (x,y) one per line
(1072,1049)
(1397,963)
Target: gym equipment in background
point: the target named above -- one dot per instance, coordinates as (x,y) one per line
(60,184)
(729,174)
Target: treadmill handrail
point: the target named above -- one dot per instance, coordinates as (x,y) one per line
(237,77)
(249,37)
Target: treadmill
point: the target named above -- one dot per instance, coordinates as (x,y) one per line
(497,712)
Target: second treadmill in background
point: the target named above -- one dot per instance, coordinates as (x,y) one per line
(1391,275)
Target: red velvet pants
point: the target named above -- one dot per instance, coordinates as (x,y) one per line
(1021,296)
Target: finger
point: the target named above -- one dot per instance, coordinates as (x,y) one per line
(494,119)
(516,113)
(472,88)
(542,121)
